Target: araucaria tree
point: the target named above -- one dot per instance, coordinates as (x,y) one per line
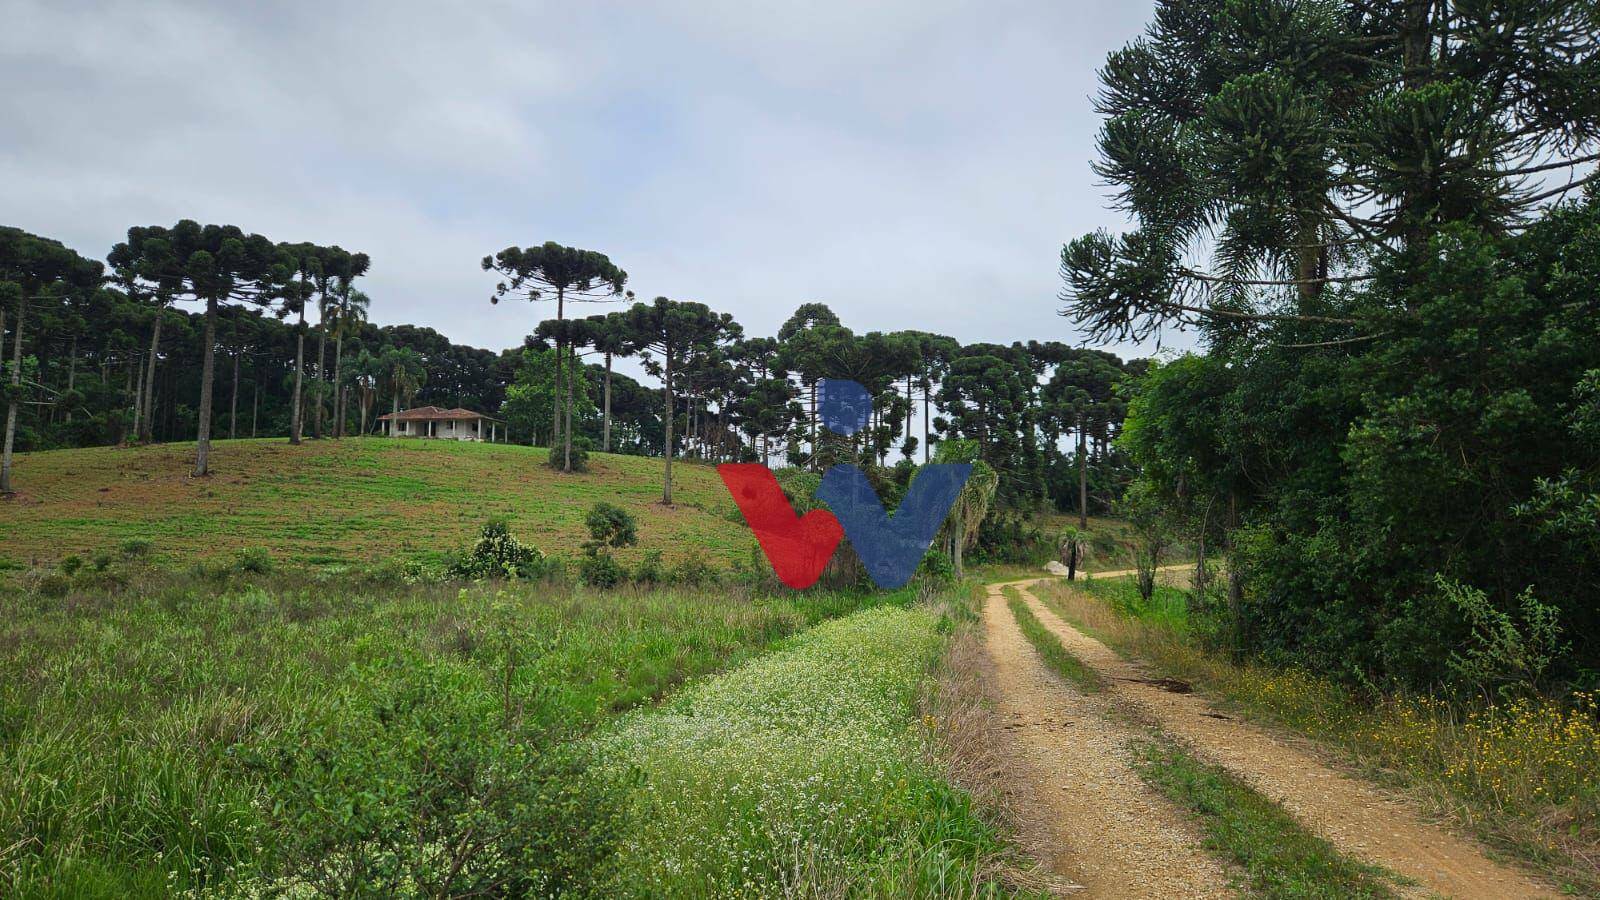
(1393,411)
(32,269)
(1301,143)
(679,332)
(211,264)
(570,274)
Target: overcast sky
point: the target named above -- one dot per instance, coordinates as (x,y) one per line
(913,164)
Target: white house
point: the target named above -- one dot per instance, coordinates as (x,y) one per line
(445,424)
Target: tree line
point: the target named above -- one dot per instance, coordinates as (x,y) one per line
(276,341)
(1381,218)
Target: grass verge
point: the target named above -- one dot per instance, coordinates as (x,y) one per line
(1056,657)
(174,733)
(1524,776)
(1279,858)
(801,773)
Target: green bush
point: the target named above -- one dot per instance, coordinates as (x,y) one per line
(600,569)
(650,569)
(70,564)
(53,585)
(936,567)
(497,554)
(694,571)
(254,561)
(580,455)
(610,526)
(133,547)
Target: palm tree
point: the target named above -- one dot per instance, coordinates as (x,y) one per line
(366,374)
(403,369)
(1074,549)
(349,314)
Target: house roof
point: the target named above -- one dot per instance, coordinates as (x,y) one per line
(433,413)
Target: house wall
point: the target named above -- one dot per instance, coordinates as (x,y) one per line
(443,429)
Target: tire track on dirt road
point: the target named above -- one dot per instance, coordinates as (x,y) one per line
(1088,814)
(1355,817)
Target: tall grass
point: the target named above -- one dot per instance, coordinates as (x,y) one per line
(1523,774)
(168,732)
(800,774)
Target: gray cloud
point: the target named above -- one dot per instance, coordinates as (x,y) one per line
(912,164)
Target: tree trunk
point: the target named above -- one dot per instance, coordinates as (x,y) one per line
(605,433)
(566,435)
(134,362)
(555,401)
(927,401)
(233,405)
(255,404)
(16,388)
(295,413)
(813,425)
(72,373)
(322,372)
(666,392)
(149,431)
(1083,476)
(202,448)
(338,384)
(1235,585)
(137,394)
(958,537)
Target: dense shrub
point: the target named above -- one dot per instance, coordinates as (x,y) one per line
(610,526)
(694,571)
(937,567)
(600,569)
(650,570)
(135,547)
(580,455)
(254,561)
(498,554)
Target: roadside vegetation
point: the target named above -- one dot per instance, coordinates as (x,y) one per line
(1278,856)
(1521,772)
(802,774)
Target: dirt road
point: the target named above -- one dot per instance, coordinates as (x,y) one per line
(1356,817)
(1077,797)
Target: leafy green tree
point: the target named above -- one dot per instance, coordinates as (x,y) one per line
(608,335)
(337,270)
(609,526)
(366,374)
(405,373)
(972,506)
(211,264)
(679,332)
(307,262)
(349,314)
(571,274)
(1300,143)
(32,269)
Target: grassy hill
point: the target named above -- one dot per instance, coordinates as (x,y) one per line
(351,501)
